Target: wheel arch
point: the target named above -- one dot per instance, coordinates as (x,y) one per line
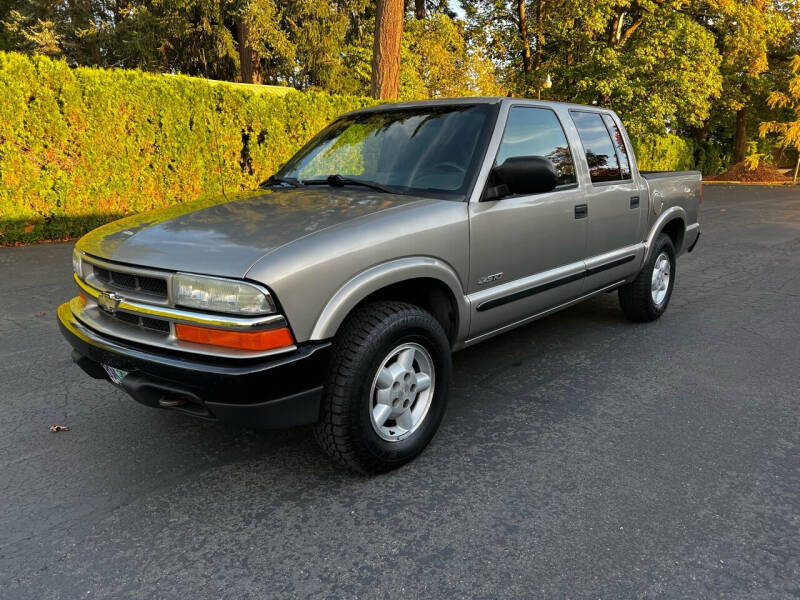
(424,281)
(672,222)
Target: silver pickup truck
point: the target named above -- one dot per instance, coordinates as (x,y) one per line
(335,294)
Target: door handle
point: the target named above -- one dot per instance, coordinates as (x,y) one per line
(634,201)
(581,211)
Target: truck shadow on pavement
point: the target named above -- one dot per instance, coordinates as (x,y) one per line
(535,368)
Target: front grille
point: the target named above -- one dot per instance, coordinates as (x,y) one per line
(153,286)
(128,318)
(155,324)
(158,325)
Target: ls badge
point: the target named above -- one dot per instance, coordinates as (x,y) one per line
(109,302)
(490,278)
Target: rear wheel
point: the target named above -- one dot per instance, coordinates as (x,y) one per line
(646,297)
(386,390)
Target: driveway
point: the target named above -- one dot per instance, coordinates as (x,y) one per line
(582,456)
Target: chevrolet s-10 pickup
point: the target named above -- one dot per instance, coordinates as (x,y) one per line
(335,294)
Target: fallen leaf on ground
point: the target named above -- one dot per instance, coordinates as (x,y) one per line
(55,428)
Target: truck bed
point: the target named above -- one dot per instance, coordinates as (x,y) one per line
(670,189)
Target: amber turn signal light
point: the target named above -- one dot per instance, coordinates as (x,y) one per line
(242,340)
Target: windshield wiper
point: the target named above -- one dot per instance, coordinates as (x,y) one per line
(337,180)
(276,179)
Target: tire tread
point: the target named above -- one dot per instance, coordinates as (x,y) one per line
(634,297)
(333,433)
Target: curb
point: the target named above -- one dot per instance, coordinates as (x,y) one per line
(773,183)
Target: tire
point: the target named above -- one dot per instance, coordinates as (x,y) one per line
(369,374)
(639,301)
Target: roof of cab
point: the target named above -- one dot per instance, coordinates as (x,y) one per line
(392,106)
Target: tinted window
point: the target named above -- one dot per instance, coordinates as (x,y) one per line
(600,152)
(537,132)
(619,143)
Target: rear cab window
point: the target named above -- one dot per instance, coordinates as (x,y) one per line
(602,142)
(619,144)
(534,131)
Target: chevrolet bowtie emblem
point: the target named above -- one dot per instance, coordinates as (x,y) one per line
(109,302)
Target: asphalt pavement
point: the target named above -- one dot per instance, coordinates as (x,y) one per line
(582,456)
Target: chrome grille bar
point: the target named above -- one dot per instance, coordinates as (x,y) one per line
(130,313)
(191,317)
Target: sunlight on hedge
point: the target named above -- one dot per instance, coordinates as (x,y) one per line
(80,147)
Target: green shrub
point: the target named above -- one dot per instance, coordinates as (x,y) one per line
(711,158)
(671,152)
(664,153)
(776,153)
(80,147)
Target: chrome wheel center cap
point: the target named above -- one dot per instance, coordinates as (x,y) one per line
(402,391)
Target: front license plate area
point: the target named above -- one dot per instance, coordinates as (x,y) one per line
(116,375)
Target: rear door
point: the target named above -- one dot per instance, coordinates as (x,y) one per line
(615,200)
(526,252)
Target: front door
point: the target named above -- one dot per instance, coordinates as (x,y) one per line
(526,252)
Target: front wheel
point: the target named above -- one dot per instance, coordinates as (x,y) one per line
(387,386)
(646,297)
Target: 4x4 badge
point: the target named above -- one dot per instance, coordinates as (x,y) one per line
(109,302)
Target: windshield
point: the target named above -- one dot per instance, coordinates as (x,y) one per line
(418,150)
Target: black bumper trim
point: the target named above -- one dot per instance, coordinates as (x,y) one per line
(694,243)
(275,392)
(298,409)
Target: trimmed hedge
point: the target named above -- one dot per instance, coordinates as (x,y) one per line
(670,152)
(80,147)
(664,153)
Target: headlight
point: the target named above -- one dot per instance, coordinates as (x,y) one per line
(77,264)
(220,295)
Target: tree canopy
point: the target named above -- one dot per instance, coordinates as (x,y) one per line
(789,100)
(700,68)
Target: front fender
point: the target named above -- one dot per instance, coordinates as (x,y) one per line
(380,276)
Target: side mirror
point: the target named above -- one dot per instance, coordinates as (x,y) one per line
(522,175)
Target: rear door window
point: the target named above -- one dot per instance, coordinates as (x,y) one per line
(601,155)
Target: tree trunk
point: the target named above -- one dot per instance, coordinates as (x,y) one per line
(540,32)
(615,33)
(700,134)
(523,33)
(386,50)
(796,168)
(629,32)
(740,137)
(247,58)
(419,9)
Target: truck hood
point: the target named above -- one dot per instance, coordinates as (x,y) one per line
(224,237)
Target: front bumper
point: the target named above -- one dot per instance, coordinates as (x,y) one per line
(277,392)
